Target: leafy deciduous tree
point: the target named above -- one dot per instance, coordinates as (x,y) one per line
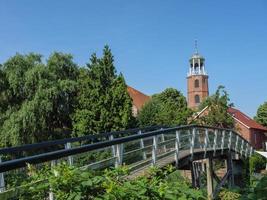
(261,116)
(166,108)
(218,105)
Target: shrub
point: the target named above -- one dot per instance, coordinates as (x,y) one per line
(256,163)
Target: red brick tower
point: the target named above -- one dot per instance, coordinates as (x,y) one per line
(197,81)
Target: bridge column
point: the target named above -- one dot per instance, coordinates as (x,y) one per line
(209,170)
(229,165)
(196,173)
(193,175)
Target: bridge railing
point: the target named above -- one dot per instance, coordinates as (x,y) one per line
(137,150)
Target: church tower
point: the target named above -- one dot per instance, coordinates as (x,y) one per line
(197,80)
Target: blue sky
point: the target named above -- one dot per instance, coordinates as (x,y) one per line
(151,40)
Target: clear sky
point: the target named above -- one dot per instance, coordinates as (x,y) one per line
(151,40)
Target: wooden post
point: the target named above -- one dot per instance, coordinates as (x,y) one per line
(193,174)
(230,168)
(209,178)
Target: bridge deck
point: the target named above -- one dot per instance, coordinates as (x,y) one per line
(166,160)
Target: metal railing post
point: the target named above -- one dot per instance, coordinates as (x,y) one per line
(236,143)
(192,145)
(119,155)
(154,150)
(206,142)
(113,148)
(2,179)
(215,141)
(251,150)
(51,194)
(163,140)
(177,145)
(142,145)
(70,158)
(230,141)
(222,142)
(242,146)
(246,150)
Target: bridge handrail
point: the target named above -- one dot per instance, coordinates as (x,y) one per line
(44,157)
(26,147)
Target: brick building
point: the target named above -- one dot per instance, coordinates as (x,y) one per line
(138,99)
(197,81)
(248,128)
(198,90)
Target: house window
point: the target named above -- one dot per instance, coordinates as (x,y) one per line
(197,99)
(196,83)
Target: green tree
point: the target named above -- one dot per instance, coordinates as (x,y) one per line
(217,106)
(166,108)
(36,100)
(103,101)
(261,116)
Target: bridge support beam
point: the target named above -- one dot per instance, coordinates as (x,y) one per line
(229,165)
(207,165)
(200,166)
(209,171)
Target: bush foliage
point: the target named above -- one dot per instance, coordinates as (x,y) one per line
(68,183)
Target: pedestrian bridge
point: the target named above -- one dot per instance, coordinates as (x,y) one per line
(137,148)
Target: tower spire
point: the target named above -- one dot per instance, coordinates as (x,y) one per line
(196,49)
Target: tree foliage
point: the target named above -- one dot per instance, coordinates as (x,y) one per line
(217,106)
(38,101)
(261,116)
(35,101)
(103,101)
(166,108)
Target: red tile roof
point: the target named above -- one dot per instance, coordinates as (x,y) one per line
(245,119)
(139,99)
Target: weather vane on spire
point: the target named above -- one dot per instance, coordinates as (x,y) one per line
(196,50)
